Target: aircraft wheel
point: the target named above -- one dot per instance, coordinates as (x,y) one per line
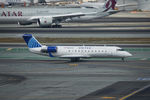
(56,26)
(75,59)
(59,26)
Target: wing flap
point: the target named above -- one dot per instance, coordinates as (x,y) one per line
(57,17)
(69,15)
(114,11)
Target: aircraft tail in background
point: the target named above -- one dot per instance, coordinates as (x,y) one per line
(109,5)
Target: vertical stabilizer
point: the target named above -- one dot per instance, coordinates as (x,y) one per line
(31,41)
(109,5)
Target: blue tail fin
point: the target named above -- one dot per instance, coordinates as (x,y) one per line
(31,41)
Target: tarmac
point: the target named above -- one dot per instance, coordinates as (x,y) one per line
(60,79)
(27,76)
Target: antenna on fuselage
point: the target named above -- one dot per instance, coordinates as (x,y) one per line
(83,45)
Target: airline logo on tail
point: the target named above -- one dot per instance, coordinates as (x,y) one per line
(31,41)
(110,4)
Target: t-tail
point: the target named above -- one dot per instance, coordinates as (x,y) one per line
(31,41)
(109,5)
(33,45)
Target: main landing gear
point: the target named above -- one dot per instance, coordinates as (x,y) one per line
(52,26)
(56,26)
(75,59)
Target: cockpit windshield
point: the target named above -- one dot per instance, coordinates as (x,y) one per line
(120,49)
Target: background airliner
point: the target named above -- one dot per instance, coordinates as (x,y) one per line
(74,52)
(98,5)
(52,17)
(13,2)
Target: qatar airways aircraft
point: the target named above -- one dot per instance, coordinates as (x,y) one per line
(13,2)
(52,17)
(74,52)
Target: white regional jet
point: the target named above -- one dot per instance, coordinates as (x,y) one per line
(52,17)
(74,52)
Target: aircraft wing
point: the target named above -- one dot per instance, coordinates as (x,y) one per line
(66,16)
(57,17)
(113,11)
(69,15)
(74,56)
(125,5)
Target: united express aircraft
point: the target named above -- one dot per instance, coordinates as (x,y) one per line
(52,17)
(74,52)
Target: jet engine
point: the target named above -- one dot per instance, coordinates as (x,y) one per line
(46,49)
(52,49)
(45,21)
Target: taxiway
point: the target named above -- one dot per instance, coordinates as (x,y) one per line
(60,79)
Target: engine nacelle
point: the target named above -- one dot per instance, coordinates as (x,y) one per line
(24,23)
(46,49)
(52,49)
(45,21)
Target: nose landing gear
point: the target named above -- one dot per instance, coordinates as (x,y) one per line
(123,59)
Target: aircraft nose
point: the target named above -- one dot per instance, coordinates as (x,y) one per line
(129,54)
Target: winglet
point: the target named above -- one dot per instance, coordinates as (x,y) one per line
(31,41)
